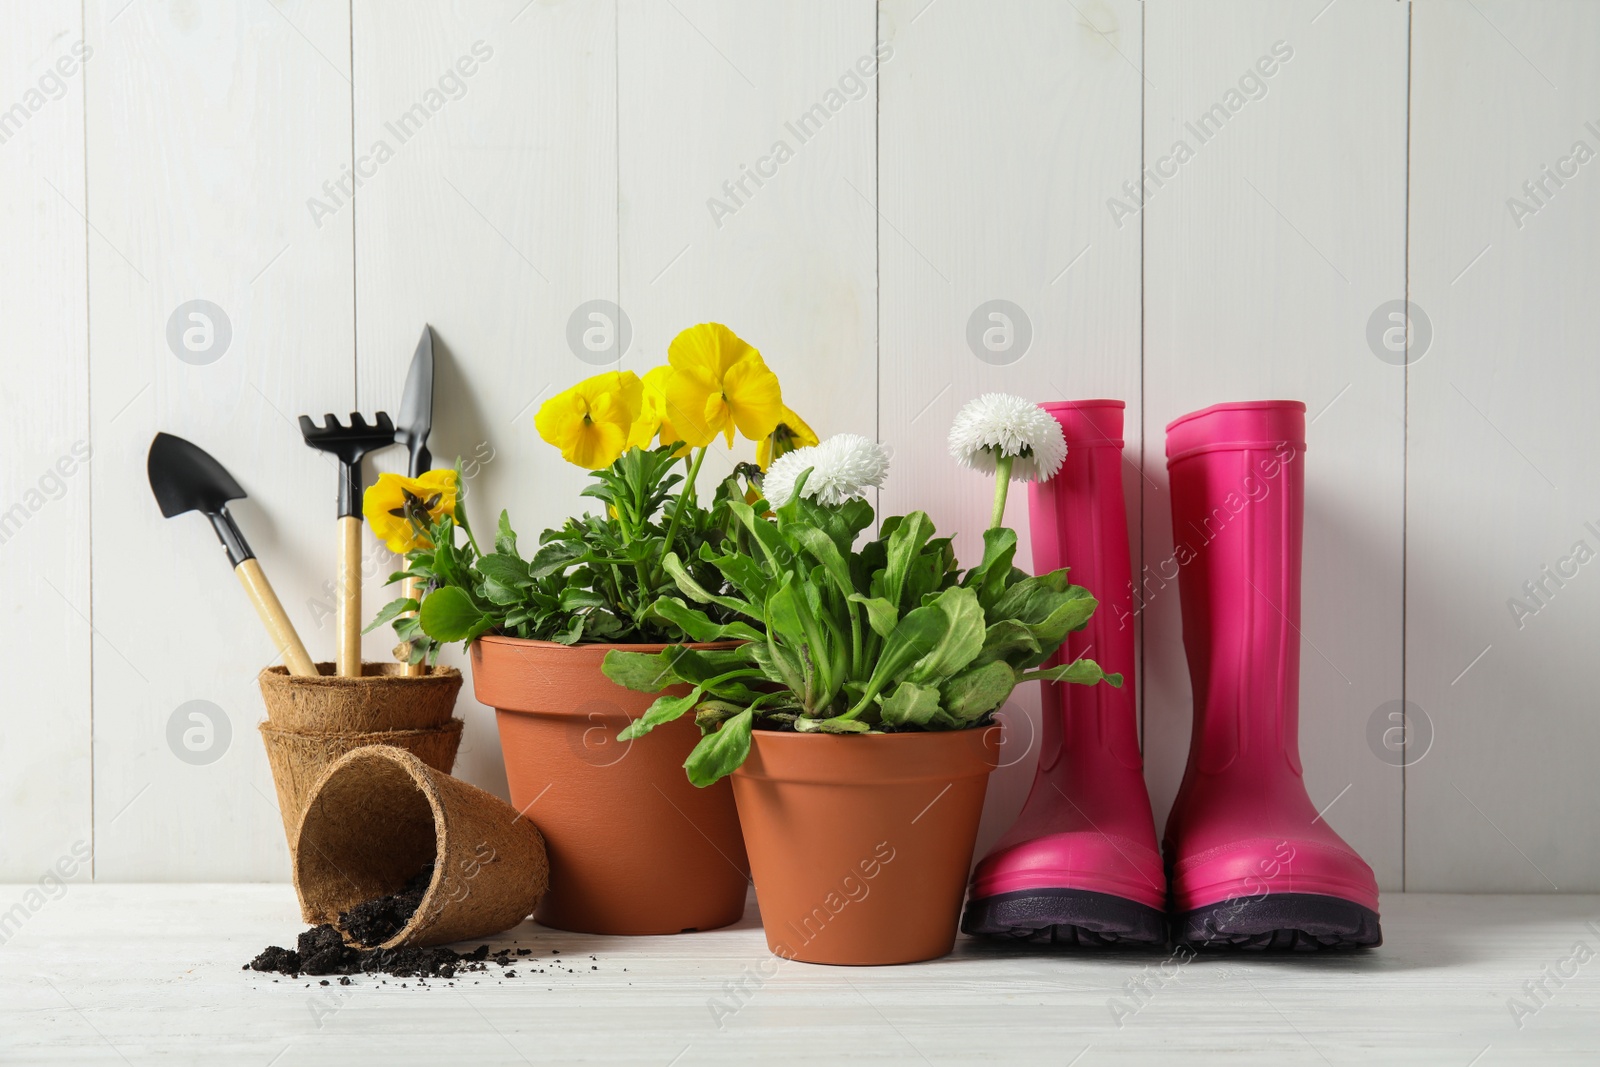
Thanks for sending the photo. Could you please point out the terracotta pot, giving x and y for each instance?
(861, 844)
(634, 848)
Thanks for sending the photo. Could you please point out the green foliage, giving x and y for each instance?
(598, 578)
(888, 637)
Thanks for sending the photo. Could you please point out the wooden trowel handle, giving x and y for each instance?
(275, 619)
(350, 596)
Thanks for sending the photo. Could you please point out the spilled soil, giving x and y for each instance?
(322, 950)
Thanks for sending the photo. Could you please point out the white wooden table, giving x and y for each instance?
(151, 973)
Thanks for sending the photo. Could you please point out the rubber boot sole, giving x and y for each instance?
(1279, 922)
(1065, 917)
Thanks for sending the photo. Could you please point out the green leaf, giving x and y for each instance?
(501, 594)
(909, 705)
(780, 663)
(575, 598)
(842, 523)
(448, 614)
(697, 626)
(912, 638)
(972, 693)
(665, 709)
(573, 633)
(961, 641)
(712, 713)
(881, 615)
(479, 628)
(1079, 671)
(1006, 639)
(643, 672)
(508, 570)
(719, 753)
(697, 592)
(743, 573)
(905, 543)
(835, 725)
(390, 611)
(505, 539)
(553, 557)
(1071, 613)
(989, 577)
(1032, 600)
(821, 548)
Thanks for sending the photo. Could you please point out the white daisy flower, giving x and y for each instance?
(997, 426)
(845, 465)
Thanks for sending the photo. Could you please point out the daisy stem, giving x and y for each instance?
(1002, 473)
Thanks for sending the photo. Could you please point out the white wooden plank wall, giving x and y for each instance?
(963, 153)
(1502, 604)
(45, 765)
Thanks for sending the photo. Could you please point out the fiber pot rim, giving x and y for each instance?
(866, 760)
(329, 679)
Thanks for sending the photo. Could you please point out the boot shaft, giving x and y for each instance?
(1079, 519)
(1238, 505)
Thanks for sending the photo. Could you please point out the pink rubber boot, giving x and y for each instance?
(1080, 865)
(1250, 862)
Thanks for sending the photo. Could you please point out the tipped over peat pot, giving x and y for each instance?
(860, 843)
(634, 847)
(380, 815)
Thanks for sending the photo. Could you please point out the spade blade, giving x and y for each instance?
(415, 421)
(184, 477)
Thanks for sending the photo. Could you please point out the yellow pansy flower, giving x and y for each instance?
(592, 421)
(718, 383)
(653, 418)
(400, 509)
(790, 433)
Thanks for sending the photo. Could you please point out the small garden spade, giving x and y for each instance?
(184, 478)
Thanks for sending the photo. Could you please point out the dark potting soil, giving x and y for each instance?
(376, 921)
(322, 949)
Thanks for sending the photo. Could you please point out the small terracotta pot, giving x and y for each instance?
(861, 844)
(379, 814)
(383, 698)
(634, 848)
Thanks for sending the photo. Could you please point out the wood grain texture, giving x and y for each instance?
(45, 450)
(1267, 249)
(1002, 129)
(1503, 497)
(104, 974)
(494, 219)
(348, 617)
(210, 126)
(285, 638)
